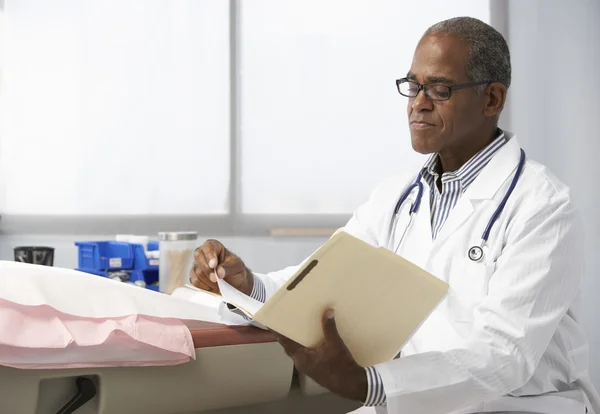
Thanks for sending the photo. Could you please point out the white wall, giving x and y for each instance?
(554, 107)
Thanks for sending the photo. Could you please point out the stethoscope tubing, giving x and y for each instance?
(474, 253)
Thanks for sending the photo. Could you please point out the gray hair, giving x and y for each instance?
(489, 57)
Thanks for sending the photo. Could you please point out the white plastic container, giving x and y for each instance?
(143, 240)
(176, 259)
(124, 238)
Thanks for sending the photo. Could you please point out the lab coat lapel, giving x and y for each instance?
(418, 241)
(460, 212)
(486, 185)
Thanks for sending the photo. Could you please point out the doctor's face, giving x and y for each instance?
(443, 126)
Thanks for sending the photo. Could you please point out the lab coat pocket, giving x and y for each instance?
(469, 282)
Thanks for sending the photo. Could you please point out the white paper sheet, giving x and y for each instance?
(242, 301)
(193, 294)
(82, 294)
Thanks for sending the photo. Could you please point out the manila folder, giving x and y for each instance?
(380, 299)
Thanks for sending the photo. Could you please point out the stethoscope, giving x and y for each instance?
(475, 253)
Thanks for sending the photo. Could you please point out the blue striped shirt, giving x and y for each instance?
(258, 291)
(454, 184)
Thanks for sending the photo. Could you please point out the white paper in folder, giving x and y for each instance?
(380, 299)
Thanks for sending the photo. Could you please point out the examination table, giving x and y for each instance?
(235, 366)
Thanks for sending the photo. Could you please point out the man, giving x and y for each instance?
(507, 339)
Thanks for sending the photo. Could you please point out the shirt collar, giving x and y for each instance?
(470, 170)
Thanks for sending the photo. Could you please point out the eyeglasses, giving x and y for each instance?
(433, 91)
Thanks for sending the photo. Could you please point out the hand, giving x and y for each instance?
(212, 260)
(330, 364)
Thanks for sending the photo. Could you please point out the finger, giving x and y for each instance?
(197, 281)
(231, 266)
(201, 283)
(330, 331)
(201, 267)
(208, 253)
(214, 252)
(304, 360)
(290, 347)
(303, 357)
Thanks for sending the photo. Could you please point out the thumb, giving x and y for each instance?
(330, 328)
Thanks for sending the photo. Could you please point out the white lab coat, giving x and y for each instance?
(510, 327)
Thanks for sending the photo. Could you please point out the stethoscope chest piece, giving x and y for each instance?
(475, 253)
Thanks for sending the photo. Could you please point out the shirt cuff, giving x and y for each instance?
(259, 292)
(375, 392)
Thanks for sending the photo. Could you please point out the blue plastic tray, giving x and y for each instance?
(149, 276)
(105, 255)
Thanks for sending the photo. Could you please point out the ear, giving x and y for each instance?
(494, 99)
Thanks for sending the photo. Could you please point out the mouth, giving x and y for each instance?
(420, 125)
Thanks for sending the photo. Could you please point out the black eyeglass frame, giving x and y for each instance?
(425, 87)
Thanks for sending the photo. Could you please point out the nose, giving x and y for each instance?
(421, 102)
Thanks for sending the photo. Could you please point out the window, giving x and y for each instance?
(112, 108)
(321, 119)
(115, 107)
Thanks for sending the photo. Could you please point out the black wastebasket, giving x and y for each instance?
(35, 255)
